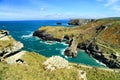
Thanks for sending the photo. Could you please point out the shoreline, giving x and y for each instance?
(62, 53)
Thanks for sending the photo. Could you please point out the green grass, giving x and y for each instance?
(108, 40)
(34, 71)
(6, 43)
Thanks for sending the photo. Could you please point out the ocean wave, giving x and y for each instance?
(53, 42)
(27, 36)
(64, 43)
(47, 42)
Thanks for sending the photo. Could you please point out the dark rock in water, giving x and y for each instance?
(72, 50)
(68, 52)
(59, 23)
(45, 36)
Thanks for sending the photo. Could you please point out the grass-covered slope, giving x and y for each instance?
(104, 33)
(33, 70)
(109, 37)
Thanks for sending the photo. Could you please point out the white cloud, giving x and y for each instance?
(111, 2)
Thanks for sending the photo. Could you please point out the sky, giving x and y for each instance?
(58, 9)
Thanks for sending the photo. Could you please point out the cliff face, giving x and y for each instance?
(100, 39)
(10, 49)
(80, 21)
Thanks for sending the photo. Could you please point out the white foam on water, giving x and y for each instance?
(27, 36)
(64, 43)
(66, 57)
(47, 42)
(100, 62)
(62, 51)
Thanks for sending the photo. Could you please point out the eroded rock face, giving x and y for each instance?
(45, 36)
(72, 50)
(93, 49)
(10, 49)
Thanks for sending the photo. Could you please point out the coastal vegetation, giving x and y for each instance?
(33, 70)
(99, 38)
(30, 67)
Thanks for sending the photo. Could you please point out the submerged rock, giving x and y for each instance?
(59, 23)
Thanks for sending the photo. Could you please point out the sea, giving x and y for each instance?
(23, 31)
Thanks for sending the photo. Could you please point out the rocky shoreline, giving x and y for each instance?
(90, 46)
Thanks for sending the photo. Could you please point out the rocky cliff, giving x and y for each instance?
(100, 39)
(80, 21)
(10, 49)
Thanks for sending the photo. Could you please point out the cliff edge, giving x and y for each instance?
(100, 39)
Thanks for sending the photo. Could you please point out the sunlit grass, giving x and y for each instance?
(33, 70)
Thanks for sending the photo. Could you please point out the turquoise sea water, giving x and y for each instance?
(23, 30)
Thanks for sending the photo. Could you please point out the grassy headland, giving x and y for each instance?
(104, 33)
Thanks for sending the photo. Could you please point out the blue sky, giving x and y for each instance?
(57, 9)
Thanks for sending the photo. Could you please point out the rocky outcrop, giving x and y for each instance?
(94, 50)
(10, 49)
(55, 62)
(88, 37)
(3, 33)
(71, 51)
(45, 36)
(80, 21)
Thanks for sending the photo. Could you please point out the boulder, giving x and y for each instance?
(82, 75)
(55, 62)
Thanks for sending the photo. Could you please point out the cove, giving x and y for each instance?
(23, 30)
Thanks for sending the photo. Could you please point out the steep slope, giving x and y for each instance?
(30, 67)
(100, 39)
